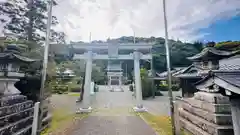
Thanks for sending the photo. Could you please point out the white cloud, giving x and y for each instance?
(115, 18)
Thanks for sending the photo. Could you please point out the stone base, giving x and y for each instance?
(215, 98)
(137, 109)
(191, 128)
(217, 118)
(205, 125)
(84, 110)
(78, 100)
(210, 107)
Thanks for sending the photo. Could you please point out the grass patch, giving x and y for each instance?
(62, 120)
(161, 124)
(74, 94)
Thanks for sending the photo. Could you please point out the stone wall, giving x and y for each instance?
(16, 115)
(205, 114)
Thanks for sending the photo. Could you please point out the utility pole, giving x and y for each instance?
(90, 37)
(30, 22)
(152, 75)
(134, 38)
(168, 69)
(45, 62)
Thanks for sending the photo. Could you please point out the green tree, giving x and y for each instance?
(26, 18)
(228, 45)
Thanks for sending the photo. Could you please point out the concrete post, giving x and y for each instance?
(35, 118)
(177, 120)
(120, 80)
(139, 107)
(87, 86)
(235, 107)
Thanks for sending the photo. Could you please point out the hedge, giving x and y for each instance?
(165, 88)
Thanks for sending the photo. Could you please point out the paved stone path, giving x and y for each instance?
(113, 116)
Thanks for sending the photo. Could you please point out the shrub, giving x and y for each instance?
(59, 89)
(75, 89)
(163, 87)
(146, 88)
(96, 88)
(175, 87)
(131, 88)
(158, 93)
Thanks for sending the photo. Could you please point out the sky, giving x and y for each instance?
(188, 20)
(222, 30)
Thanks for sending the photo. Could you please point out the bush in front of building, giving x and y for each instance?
(60, 89)
(131, 87)
(175, 87)
(146, 88)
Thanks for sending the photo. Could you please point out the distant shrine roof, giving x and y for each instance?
(192, 71)
(210, 53)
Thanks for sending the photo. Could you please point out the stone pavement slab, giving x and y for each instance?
(113, 125)
(112, 115)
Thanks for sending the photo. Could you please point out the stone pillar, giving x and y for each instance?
(139, 107)
(109, 80)
(235, 108)
(87, 86)
(120, 80)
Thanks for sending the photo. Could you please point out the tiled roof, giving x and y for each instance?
(12, 56)
(174, 72)
(189, 72)
(230, 77)
(210, 52)
(232, 63)
(188, 75)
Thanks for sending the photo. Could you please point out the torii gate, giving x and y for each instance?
(110, 51)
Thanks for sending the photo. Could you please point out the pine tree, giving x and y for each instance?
(26, 18)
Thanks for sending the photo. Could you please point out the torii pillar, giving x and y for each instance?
(86, 108)
(139, 106)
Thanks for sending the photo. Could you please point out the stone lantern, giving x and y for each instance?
(10, 62)
(16, 111)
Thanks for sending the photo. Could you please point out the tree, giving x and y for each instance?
(58, 37)
(26, 18)
(228, 45)
(211, 44)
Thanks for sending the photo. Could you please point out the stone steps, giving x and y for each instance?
(6, 110)
(220, 119)
(214, 108)
(205, 125)
(16, 127)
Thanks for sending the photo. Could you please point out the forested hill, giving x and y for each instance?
(179, 51)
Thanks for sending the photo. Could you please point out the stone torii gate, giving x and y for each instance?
(110, 51)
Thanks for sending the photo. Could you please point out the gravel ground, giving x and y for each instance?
(113, 116)
(113, 112)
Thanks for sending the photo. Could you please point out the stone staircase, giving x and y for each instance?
(16, 115)
(206, 114)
